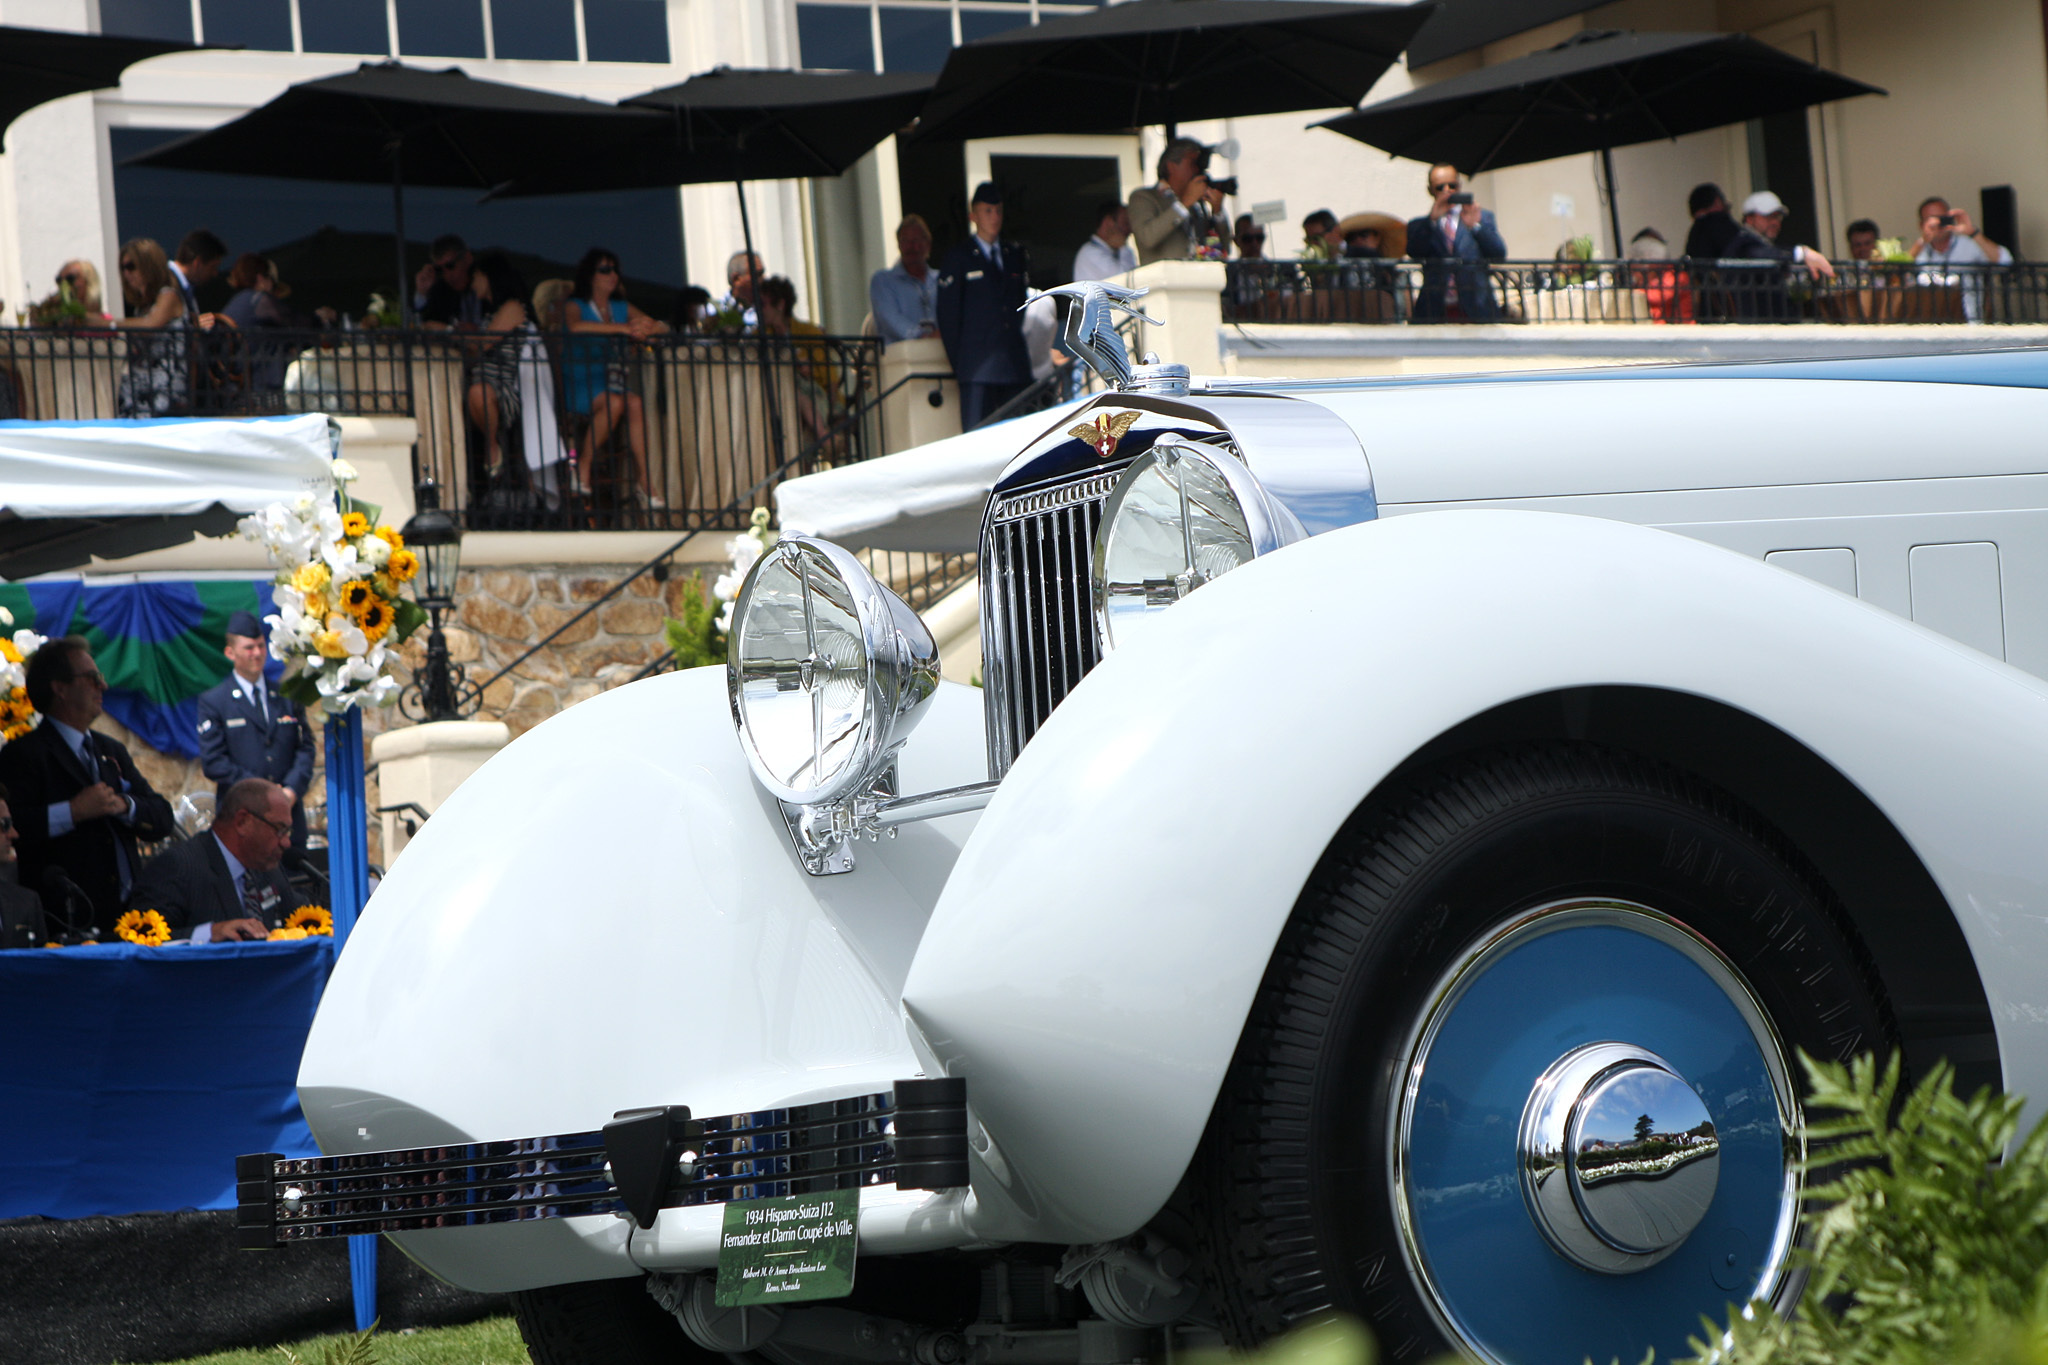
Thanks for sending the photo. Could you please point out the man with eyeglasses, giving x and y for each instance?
(226, 885)
(441, 296)
(79, 803)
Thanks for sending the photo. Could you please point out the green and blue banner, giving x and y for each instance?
(159, 644)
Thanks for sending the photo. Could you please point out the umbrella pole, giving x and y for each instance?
(398, 234)
(774, 413)
(1613, 201)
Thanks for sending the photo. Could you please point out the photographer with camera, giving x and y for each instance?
(1454, 240)
(1948, 237)
(1170, 218)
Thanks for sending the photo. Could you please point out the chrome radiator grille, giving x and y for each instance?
(1038, 631)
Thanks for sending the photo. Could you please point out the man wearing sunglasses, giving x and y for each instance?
(441, 296)
(227, 885)
(79, 803)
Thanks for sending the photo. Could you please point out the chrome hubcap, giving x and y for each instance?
(1618, 1157)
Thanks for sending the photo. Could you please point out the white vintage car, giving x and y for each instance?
(1421, 920)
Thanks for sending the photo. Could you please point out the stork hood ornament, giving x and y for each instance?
(1091, 327)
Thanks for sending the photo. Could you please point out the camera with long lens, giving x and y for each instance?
(1228, 184)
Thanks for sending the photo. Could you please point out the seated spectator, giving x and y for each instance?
(736, 309)
(594, 372)
(1363, 244)
(1108, 254)
(441, 294)
(549, 296)
(1319, 236)
(227, 884)
(158, 378)
(76, 798)
(1713, 227)
(818, 396)
(21, 909)
(198, 263)
(1863, 235)
(1649, 245)
(694, 309)
(76, 300)
(494, 390)
(1763, 217)
(904, 297)
(258, 303)
(1250, 239)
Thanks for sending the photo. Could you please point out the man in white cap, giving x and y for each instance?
(1764, 214)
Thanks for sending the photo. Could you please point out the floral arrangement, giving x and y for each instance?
(340, 615)
(381, 313)
(1892, 249)
(146, 927)
(314, 919)
(698, 637)
(17, 713)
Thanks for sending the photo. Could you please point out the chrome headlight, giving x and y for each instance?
(1183, 514)
(828, 672)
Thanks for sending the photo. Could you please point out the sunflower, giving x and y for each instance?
(404, 564)
(389, 537)
(145, 927)
(312, 578)
(314, 919)
(374, 619)
(357, 594)
(354, 524)
(286, 933)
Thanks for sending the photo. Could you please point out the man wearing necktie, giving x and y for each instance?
(247, 730)
(78, 801)
(981, 289)
(1454, 242)
(226, 884)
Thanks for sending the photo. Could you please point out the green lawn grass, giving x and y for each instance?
(494, 1341)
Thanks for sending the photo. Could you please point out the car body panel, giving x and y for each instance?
(1094, 955)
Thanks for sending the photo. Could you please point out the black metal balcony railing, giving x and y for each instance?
(1600, 292)
(524, 431)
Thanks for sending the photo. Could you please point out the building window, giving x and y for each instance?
(835, 37)
(534, 30)
(980, 23)
(915, 39)
(263, 25)
(169, 20)
(625, 30)
(440, 28)
(342, 26)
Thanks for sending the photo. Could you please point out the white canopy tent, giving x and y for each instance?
(928, 498)
(73, 490)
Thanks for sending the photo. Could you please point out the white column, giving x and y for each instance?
(1186, 299)
(425, 764)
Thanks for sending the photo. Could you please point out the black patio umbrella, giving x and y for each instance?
(739, 125)
(1168, 62)
(38, 65)
(388, 121)
(1597, 91)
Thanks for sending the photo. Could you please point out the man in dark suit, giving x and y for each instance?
(247, 730)
(1454, 242)
(226, 884)
(981, 289)
(21, 910)
(79, 802)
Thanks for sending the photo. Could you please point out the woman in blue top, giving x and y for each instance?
(594, 370)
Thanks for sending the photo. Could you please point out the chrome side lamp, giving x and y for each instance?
(828, 672)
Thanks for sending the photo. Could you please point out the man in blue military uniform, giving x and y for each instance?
(247, 730)
(981, 287)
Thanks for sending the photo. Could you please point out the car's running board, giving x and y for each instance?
(913, 1136)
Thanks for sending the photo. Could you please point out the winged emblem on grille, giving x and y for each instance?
(1105, 431)
(1091, 326)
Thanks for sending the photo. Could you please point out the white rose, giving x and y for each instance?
(376, 551)
(344, 472)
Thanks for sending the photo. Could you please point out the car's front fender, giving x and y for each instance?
(1095, 952)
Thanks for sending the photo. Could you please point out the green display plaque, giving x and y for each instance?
(787, 1250)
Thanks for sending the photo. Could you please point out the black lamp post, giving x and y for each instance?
(432, 534)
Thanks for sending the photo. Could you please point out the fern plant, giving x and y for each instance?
(694, 637)
(357, 1349)
(1929, 1245)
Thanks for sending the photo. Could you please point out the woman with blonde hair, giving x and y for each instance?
(159, 376)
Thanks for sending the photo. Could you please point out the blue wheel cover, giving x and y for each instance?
(1505, 1291)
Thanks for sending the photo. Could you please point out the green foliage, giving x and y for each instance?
(695, 639)
(1929, 1244)
(407, 616)
(350, 1350)
(493, 1341)
(302, 688)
